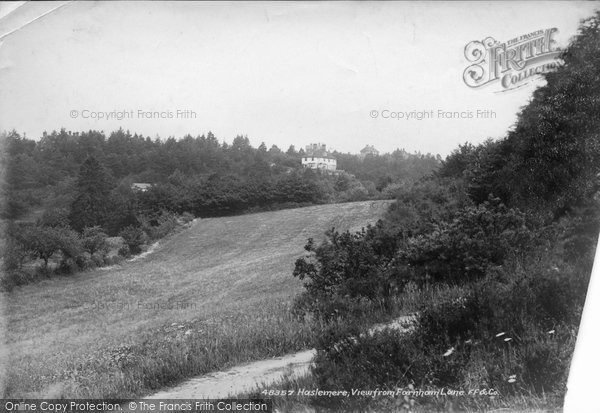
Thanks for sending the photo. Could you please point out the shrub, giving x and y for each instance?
(43, 242)
(12, 278)
(461, 249)
(186, 217)
(347, 360)
(134, 238)
(124, 251)
(522, 307)
(501, 335)
(350, 265)
(457, 162)
(14, 254)
(114, 260)
(423, 204)
(355, 191)
(55, 217)
(83, 262)
(393, 190)
(94, 240)
(160, 226)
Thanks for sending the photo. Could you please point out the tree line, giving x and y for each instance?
(42, 174)
(65, 184)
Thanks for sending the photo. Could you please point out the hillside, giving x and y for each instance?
(210, 296)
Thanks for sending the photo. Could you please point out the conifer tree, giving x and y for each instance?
(91, 205)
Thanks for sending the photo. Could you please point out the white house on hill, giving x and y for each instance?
(315, 162)
(140, 187)
(317, 157)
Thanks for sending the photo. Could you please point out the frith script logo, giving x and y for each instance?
(512, 63)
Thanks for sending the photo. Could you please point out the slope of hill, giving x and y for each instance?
(211, 296)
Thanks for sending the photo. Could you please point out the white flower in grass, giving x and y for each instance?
(449, 351)
(500, 334)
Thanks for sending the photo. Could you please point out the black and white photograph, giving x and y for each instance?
(299, 206)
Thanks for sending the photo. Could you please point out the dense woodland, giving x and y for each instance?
(198, 175)
(65, 185)
(494, 252)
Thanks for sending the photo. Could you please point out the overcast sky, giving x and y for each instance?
(283, 73)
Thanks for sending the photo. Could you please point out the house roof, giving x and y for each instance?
(369, 148)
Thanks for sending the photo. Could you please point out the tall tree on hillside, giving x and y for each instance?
(552, 156)
(91, 205)
(291, 151)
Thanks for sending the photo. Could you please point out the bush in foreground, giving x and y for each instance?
(513, 331)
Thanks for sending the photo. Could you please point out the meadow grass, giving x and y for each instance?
(212, 296)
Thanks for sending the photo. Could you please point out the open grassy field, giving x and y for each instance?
(210, 297)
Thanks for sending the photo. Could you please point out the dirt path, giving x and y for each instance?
(241, 379)
(247, 377)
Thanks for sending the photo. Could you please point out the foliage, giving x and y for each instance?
(511, 331)
(134, 238)
(420, 206)
(15, 253)
(198, 175)
(55, 217)
(124, 251)
(382, 170)
(43, 242)
(91, 205)
(159, 225)
(455, 164)
(550, 160)
(186, 217)
(347, 266)
(94, 240)
(378, 261)
(477, 238)
(514, 224)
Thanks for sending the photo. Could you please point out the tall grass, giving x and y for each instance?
(163, 356)
(388, 360)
